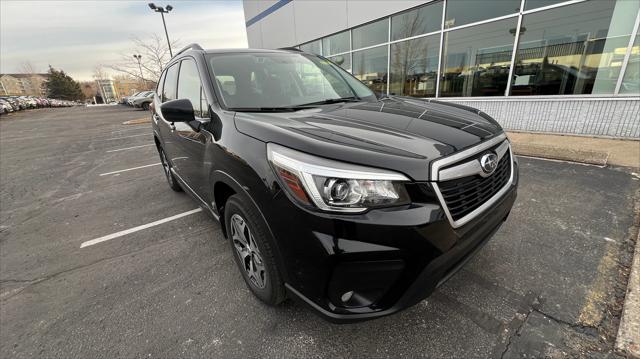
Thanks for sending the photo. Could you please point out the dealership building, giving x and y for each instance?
(551, 66)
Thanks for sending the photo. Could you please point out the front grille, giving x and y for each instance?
(463, 195)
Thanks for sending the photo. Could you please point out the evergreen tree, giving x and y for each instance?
(62, 86)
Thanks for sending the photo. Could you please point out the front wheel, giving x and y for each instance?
(253, 250)
(145, 106)
(166, 166)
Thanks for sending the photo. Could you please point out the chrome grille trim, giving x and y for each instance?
(438, 164)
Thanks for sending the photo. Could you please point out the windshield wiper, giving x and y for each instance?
(267, 109)
(330, 101)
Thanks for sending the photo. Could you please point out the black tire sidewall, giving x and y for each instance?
(273, 292)
(171, 180)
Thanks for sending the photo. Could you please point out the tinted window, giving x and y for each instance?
(370, 34)
(189, 84)
(414, 66)
(532, 4)
(170, 80)
(476, 60)
(336, 44)
(574, 49)
(422, 20)
(370, 67)
(631, 80)
(461, 12)
(313, 47)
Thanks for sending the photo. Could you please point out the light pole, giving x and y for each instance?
(139, 57)
(162, 11)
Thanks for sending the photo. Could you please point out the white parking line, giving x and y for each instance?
(130, 148)
(129, 169)
(118, 138)
(139, 228)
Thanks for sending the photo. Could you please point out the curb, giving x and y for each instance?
(598, 158)
(628, 338)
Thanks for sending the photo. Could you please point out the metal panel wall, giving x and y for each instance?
(611, 117)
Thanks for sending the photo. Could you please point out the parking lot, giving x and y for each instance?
(550, 283)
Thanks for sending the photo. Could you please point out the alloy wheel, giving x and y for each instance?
(248, 251)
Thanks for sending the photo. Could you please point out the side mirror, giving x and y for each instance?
(178, 111)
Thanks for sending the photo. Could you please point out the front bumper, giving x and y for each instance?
(360, 267)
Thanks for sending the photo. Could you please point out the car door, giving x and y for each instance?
(191, 139)
(167, 129)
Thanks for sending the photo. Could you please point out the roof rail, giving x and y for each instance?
(193, 46)
(291, 49)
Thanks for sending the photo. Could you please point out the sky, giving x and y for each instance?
(76, 36)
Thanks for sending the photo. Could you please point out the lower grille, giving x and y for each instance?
(463, 195)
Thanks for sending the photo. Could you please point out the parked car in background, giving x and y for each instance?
(10, 104)
(143, 101)
(138, 95)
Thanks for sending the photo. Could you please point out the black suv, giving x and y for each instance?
(359, 205)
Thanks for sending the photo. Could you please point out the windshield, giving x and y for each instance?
(282, 80)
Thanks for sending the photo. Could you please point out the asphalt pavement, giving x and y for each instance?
(550, 283)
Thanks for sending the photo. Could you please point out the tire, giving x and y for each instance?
(145, 106)
(245, 225)
(166, 166)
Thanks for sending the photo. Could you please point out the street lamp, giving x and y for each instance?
(139, 57)
(162, 11)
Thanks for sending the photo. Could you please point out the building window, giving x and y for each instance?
(371, 34)
(574, 49)
(313, 47)
(631, 79)
(414, 67)
(533, 4)
(343, 61)
(422, 20)
(370, 67)
(335, 44)
(476, 60)
(462, 12)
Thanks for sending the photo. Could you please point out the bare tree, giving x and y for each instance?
(155, 54)
(99, 73)
(27, 68)
(409, 57)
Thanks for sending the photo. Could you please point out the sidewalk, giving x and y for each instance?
(598, 151)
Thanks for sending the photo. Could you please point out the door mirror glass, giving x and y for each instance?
(178, 111)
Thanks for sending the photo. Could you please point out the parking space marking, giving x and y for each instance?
(129, 169)
(130, 148)
(138, 228)
(119, 138)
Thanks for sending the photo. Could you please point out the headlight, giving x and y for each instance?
(336, 186)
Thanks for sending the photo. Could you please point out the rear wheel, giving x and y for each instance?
(166, 166)
(145, 106)
(252, 247)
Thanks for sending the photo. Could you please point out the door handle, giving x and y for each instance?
(155, 118)
(172, 126)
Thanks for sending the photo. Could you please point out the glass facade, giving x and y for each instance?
(336, 44)
(478, 48)
(370, 67)
(414, 67)
(371, 34)
(422, 20)
(476, 60)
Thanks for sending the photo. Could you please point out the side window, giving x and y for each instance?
(169, 88)
(189, 86)
(160, 84)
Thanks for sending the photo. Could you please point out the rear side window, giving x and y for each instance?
(189, 86)
(169, 88)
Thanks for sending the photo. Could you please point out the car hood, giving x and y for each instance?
(396, 133)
